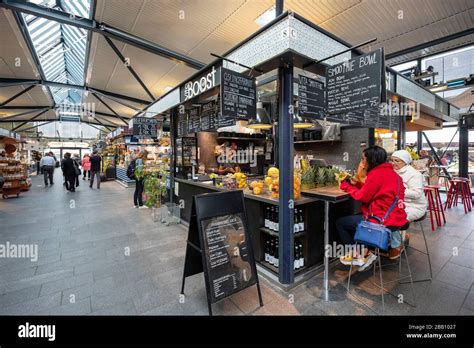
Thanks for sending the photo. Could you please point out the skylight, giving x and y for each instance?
(61, 49)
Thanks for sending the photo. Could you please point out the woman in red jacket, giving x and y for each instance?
(376, 194)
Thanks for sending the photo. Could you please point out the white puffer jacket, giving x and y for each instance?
(415, 200)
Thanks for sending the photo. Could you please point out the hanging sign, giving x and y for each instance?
(238, 95)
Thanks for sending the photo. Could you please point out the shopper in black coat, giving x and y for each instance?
(69, 171)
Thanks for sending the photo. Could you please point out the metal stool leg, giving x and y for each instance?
(440, 205)
(427, 253)
(350, 270)
(382, 289)
(411, 277)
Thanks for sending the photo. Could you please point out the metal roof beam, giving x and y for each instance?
(17, 95)
(102, 28)
(129, 67)
(430, 43)
(108, 107)
(22, 114)
(7, 82)
(35, 126)
(30, 120)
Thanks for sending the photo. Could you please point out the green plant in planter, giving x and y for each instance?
(155, 188)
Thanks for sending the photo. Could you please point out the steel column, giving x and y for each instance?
(419, 141)
(463, 149)
(285, 155)
(278, 7)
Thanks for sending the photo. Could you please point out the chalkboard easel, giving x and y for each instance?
(219, 245)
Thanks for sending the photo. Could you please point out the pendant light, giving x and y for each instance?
(261, 120)
(300, 122)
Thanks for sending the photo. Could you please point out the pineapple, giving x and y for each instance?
(307, 177)
(320, 175)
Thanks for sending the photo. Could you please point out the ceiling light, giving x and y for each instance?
(261, 120)
(266, 17)
(168, 88)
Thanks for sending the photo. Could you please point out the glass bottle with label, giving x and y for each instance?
(267, 217)
(301, 221)
(271, 253)
(277, 218)
(301, 256)
(296, 256)
(296, 226)
(272, 219)
(276, 255)
(267, 251)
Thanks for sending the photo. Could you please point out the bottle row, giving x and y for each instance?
(272, 257)
(272, 222)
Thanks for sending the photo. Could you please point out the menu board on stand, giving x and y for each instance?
(219, 245)
(238, 97)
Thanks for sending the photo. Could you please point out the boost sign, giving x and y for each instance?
(200, 85)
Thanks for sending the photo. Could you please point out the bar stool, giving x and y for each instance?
(381, 286)
(427, 253)
(438, 204)
(459, 189)
(433, 208)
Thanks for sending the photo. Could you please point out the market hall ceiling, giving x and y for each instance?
(196, 28)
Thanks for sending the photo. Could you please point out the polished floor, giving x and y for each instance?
(98, 255)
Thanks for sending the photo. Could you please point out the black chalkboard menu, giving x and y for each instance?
(182, 126)
(238, 95)
(355, 84)
(209, 114)
(194, 121)
(219, 245)
(310, 97)
(144, 127)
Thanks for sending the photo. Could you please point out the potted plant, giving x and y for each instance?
(155, 188)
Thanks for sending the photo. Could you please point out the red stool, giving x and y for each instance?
(432, 206)
(438, 204)
(459, 191)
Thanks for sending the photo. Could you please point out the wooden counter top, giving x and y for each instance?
(265, 198)
(327, 193)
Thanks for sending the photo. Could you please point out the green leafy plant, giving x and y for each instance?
(139, 172)
(155, 188)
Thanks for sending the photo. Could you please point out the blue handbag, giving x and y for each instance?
(376, 234)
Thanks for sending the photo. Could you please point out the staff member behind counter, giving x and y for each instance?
(376, 194)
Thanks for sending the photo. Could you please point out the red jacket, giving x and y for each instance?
(378, 193)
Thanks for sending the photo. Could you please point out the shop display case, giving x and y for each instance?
(15, 175)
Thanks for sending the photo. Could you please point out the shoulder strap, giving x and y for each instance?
(395, 200)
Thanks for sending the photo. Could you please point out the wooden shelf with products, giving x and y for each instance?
(15, 175)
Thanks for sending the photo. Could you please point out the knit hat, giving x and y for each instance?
(403, 155)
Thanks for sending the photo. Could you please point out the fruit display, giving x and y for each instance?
(257, 187)
(240, 179)
(229, 182)
(307, 177)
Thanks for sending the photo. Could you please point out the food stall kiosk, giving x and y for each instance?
(297, 110)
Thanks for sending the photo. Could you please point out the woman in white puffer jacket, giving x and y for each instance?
(415, 200)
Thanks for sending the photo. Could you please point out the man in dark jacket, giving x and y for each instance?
(69, 172)
(95, 168)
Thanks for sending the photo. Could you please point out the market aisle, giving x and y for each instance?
(84, 266)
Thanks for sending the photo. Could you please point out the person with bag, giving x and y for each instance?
(95, 168)
(382, 196)
(69, 171)
(139, 162)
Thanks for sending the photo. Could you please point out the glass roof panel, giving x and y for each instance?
(61, 49)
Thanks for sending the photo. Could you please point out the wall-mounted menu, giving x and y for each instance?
(209, 113)
(144, 127)
(238, 95)
(194, 121)
(310, 97)
(182, 126)
(355, 84)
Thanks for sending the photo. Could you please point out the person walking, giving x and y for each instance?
(69, 171)
(86, 166)
(95, 168)
(77, 164)
(47, 164)
(139, 186)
